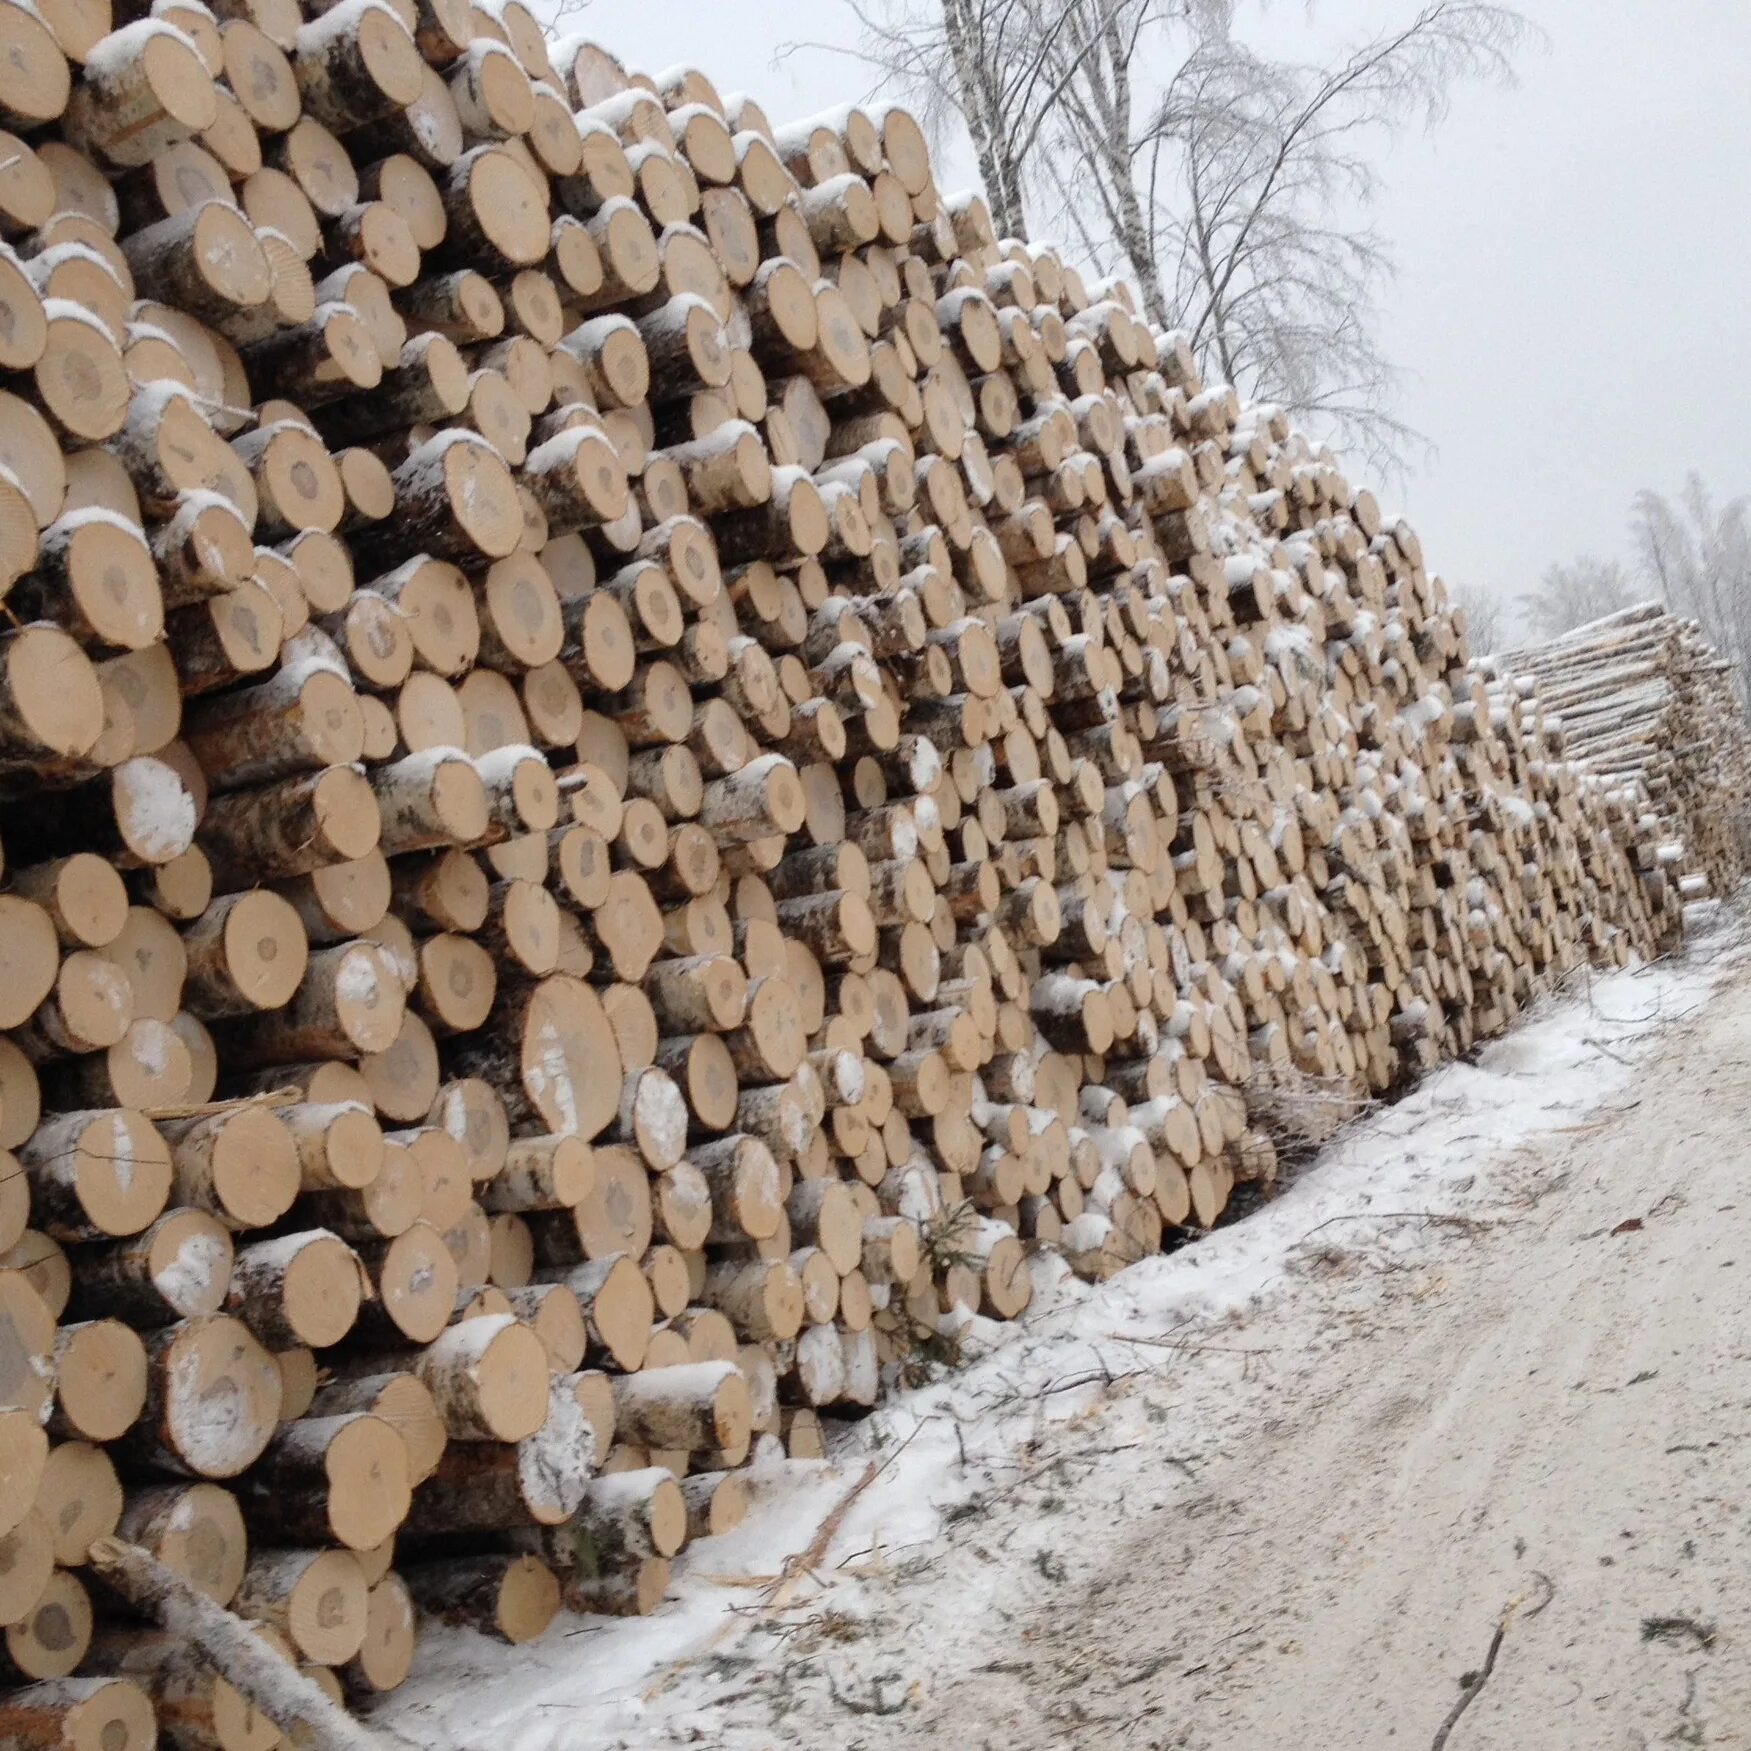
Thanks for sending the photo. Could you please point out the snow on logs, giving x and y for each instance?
(643, 769)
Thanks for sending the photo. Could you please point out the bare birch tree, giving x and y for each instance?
(1572, 593)
(1233, 188)
(1697, 555)
(1276, 273)
(1483, 618)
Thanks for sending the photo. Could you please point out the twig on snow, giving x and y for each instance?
(1473, 1682)
(783, 1586)
(1438, 1217)
(1172, 1343)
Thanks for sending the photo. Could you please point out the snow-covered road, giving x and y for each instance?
(1486, 1364)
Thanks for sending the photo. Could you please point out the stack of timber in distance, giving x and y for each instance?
(1644, 699)
(642, 769)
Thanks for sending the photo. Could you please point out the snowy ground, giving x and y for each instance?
(1486, 1362)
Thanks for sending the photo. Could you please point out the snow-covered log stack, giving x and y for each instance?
(1643, 697)
(643, 768)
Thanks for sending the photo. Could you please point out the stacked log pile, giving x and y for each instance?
(639, 762)
(1644, 698)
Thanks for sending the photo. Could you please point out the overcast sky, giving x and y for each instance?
(1574, 299)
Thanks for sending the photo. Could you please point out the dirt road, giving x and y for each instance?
(1304, 1531)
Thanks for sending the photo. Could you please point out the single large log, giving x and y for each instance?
(78, 1500)
(513, 1598)
(195, 1530)
(297, 1289)
(240, 1163)
(246, 952)
(551, 1053)
(488, 1378)
(51, 708)
(177, 1268)
(316, 1599)
(631, 1514)
(539, 1480)
(97, 1174)
(289, 828)
(191, 1365)
(702, 1405)
(344, 1478)
(83, 1714)
(351, 1001)
(100, 1380)
(146, 90)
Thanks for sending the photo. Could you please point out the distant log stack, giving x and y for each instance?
(1641, 698)
(643, 769)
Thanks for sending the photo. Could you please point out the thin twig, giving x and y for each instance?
(1389, 1216)
(268, 1097)
(784, 1585)
(1473, 1684)
(1170, 1343)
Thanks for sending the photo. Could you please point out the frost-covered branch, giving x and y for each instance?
(1231, 186)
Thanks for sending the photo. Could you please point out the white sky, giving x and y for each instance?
(1574, 298)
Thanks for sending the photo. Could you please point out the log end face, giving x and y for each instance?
(571, 1065)
(24, 1450)
(221, 1396)
(622, 1313)
(255, 1168)
(327, 1609)
(266, 950)
(369, 1493)
(782, 1302)
(511, 210)
(116, 1716)
(732, 1411)
(55, 697)
(102, 1379)
(535, 791)
(321, 1295)
(389, 53)
(181, 81)
(483, 497)
(418, 1282)
(513, 1376)
(38, 80)
(189, 1262)
(355, 1148)
(347, 811)
(528, 1600)
(668, 1518)
(123, 1172)
(460, 802)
